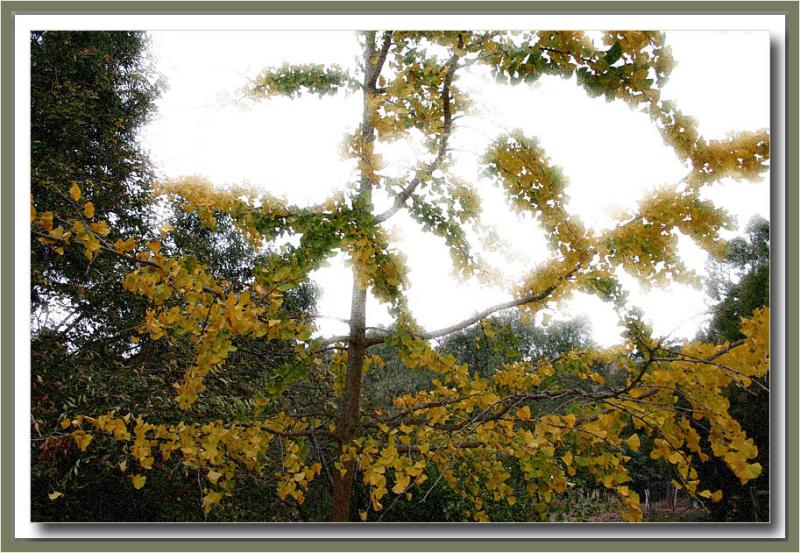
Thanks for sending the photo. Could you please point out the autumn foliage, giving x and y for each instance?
(581, 414)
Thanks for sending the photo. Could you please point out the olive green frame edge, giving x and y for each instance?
(7, 190)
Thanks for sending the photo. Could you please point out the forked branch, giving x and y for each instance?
(447, 127)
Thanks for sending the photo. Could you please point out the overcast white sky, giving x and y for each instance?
(291, 148)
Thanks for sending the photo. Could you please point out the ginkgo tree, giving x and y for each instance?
(580, 414)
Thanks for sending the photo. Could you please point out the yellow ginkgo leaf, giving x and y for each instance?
(211, 499)
(754, 470)
(138, 481)
(401, 483)
(75, 191)
(46, 220)
(633, 442)
(122, 246)
(154, 246)
(88, 209)
(100, 228)
(82, 439)
(55, 495)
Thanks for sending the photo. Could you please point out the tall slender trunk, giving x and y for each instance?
(348, 428)
(356, 351)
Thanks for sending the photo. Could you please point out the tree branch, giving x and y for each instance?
(376, 69)
(467, 444)
(73, 324)
(427, 405)
(447, 126)
(474, 319)
(130, 258)
(686, 358)
(723, 351)
(311, 432)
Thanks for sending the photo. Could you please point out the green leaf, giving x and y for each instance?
(613, 53)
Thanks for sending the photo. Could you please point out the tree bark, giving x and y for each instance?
(357, 347)
(348, 423)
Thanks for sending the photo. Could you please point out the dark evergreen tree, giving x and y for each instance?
(740, 284)
(91, 92)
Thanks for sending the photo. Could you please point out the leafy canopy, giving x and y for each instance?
(578, 414)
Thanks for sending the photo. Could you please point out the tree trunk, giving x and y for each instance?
(348, 423)
(357, 347)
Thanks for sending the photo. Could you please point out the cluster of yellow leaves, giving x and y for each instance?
(737, 366)
(187, 301)
(378, 267)
(742, 156)
(532, 184)
(471, 428)
(410, 98)
(295, 476)
(82, 439)
(551, 281)
(338, 365)
(644, 63)
(216, 449)
(418, 353)
(467, 198)
(564, 46)
(199, 195)
(517, 378)
(646, 246)
(379, 461)
(83, 230)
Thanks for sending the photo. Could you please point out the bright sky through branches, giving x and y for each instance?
(611, 155)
